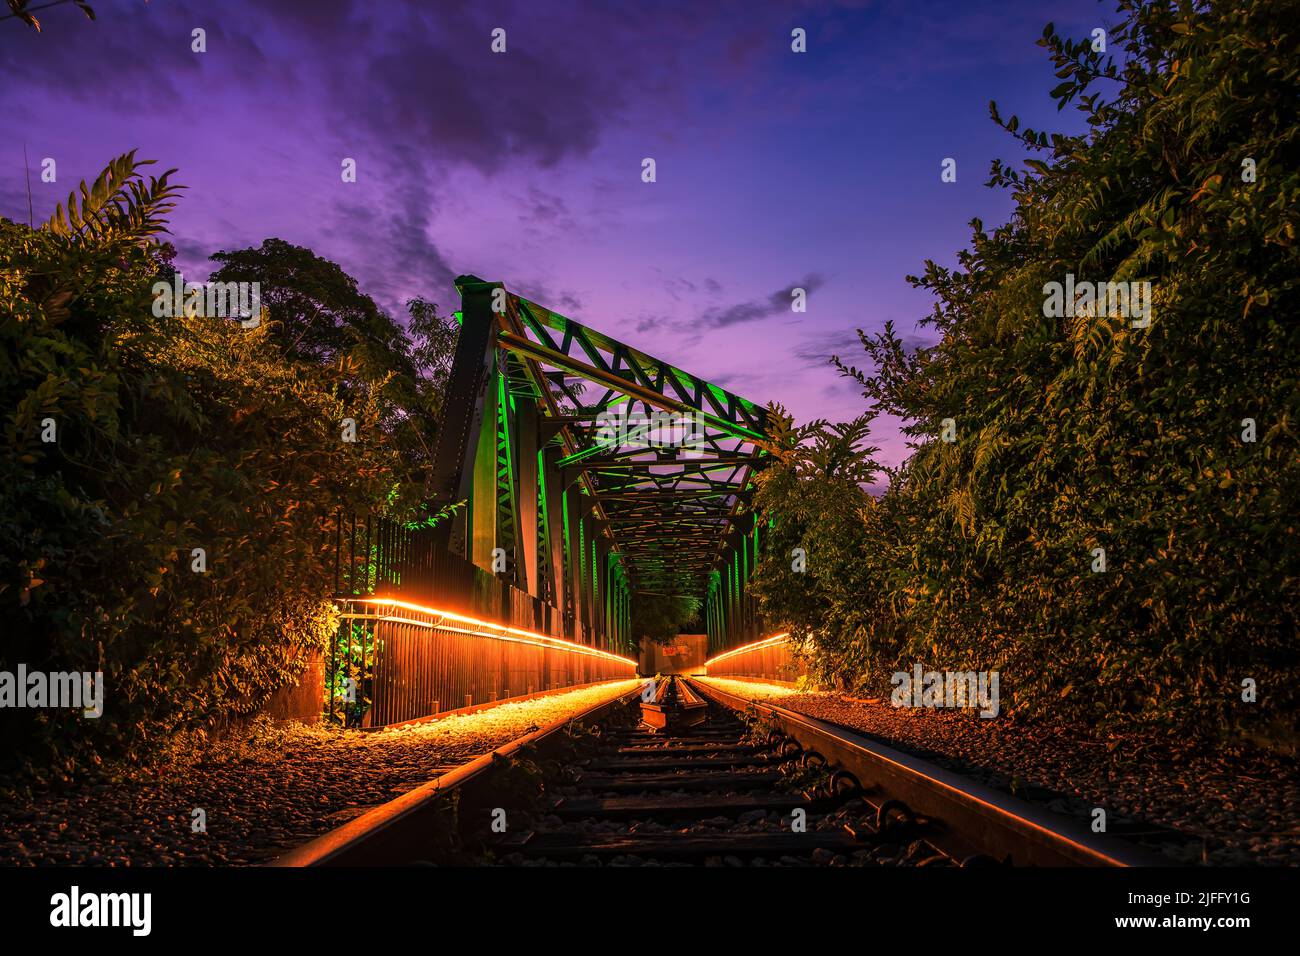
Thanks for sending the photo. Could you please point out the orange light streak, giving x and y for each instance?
(756, 646)
(488, 629)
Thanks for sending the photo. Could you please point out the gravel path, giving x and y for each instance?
(262, 793)
(1243, 804)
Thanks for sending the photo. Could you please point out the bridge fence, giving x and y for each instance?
(770, 659)
(424, 631)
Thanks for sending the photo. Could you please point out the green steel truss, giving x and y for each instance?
(586, 516)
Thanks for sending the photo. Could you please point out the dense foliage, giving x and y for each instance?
(1172, 447)
(132, 439)
(319, 317)
(661, 617)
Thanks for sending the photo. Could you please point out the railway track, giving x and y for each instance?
(707, 789)
(691, 775)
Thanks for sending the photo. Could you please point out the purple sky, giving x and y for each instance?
(775, 169)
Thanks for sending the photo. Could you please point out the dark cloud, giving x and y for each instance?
(920, 339)
(400, 226)
(545, 214)
(778, 303)
(410, 90)
(565, 301)
(132, 53)
(818, 352)
(402, 72)
(649, 323)
(329, 21)
(429, 75)
(840, 387)
(192, 255)
(679, 287)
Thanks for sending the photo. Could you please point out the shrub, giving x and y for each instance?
(1080, 433)
(173, 434)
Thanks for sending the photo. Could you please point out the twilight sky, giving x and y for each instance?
(774, 169)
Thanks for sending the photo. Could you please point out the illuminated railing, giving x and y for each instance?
(395, 660)
(771, 658)
(425, 631)
(375, 555)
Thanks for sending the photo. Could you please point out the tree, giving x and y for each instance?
(1099, 507)
(167, 482)
(319, 316)
(660, 617)
(812, 575)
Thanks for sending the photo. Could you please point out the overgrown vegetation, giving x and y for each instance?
(661, 617)
(134, 439)
(1171, 447)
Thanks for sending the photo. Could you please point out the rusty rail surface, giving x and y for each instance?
(970, 820)
(400, 831)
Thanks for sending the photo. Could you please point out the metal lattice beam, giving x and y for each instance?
(591, 515)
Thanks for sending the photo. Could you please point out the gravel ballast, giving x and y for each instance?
(1240, 807)
(261, 793)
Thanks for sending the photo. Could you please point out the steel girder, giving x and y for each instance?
(566, 445)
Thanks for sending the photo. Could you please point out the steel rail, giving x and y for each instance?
(399, 831)
(969, 818)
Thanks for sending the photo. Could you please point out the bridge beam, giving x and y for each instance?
(526, 470)
(467, 415)
(586, 521)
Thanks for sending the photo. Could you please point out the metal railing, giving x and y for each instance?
(424, 631)
(375, 555)
(772, 659)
